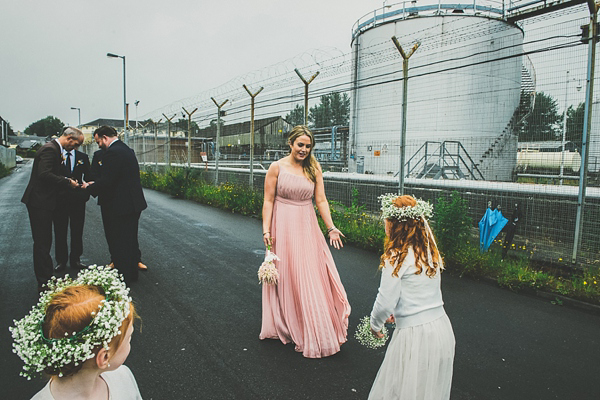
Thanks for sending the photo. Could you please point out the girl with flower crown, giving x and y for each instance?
(418, 362)
(79, 334)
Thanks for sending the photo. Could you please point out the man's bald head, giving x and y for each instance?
(71, 138)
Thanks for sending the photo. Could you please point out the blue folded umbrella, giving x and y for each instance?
(490, 226)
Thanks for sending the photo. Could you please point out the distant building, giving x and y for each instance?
(89, 128)
(27, 141)
(269, 133)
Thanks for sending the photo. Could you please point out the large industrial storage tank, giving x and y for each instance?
(464, 89)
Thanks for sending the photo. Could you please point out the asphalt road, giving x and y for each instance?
(200, 305)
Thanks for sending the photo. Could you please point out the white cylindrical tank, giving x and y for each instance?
(548, 161)
(464, 85)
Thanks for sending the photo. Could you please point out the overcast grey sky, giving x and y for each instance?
(53, 53)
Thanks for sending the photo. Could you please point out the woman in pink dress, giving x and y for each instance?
(308, 306)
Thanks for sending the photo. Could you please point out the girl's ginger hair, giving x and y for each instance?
(71, 311)
(410, 233)
(310, 165)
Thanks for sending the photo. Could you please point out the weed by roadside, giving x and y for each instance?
(4, 170)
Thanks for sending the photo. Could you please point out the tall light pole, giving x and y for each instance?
(564, 128)
(78, 115)
(564, 133)
(125, 134)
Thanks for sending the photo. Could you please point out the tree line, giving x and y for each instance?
(546, 123)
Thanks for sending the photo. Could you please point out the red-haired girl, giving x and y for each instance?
(418, 361)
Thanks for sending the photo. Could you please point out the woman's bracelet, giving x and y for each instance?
(330, 229)
(264, 233)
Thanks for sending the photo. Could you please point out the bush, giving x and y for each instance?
(360, 228)
(452, 224)
(4, 170)
(178, 181)
(186, 183)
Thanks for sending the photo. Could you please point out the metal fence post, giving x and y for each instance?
(587, 122)
(252, 96)
(217, 151)
(405, 58)
(306, 83)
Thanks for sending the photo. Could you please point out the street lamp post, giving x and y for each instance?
(564, 127)
(564, 132)
(78, 115)
(125, 134)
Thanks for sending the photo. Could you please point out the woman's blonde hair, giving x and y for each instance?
(410, 233)
(310, 165)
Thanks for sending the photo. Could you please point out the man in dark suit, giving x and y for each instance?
(121, 198)
(96, 169)
(71, 210)
(41, 198)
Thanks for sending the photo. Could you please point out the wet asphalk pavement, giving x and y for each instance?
(200, 304)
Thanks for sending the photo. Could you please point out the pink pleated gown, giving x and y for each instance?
(308, 306)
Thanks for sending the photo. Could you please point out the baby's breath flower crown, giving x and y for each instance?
(39, 352)
(388, 210)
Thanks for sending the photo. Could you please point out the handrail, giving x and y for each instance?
(473, 165)
(405, 9)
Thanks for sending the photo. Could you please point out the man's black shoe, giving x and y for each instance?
(60, 267)
(78, 265)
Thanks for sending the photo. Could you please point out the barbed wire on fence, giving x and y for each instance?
(476, 98)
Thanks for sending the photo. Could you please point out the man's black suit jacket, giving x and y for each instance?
(118, 187)
(46, 178)
(96, 166)
(81, 171)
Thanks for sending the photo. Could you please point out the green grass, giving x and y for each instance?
(451, 226)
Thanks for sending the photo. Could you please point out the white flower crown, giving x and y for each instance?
(39, 352)
(388, 210)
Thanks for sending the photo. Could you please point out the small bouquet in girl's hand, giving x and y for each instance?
(267, 272)
(365, 337)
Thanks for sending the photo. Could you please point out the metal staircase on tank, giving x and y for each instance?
(525, 107)
(442, 160)
(450, 160)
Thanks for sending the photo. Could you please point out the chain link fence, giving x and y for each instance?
(495, 107)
